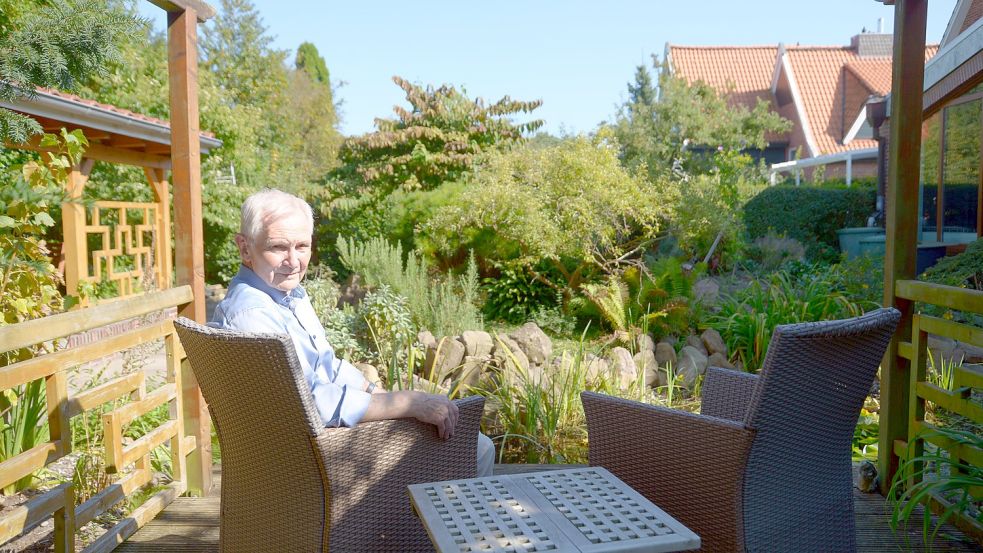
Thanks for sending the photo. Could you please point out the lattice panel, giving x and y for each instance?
(123, 246)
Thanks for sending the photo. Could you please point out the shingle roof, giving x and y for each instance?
(109, 108)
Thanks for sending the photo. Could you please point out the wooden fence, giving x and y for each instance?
(132, 460)
(965, 379)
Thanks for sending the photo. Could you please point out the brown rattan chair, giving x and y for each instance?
(766, 466)
(289, 483)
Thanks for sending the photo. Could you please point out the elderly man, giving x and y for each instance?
(266, 295)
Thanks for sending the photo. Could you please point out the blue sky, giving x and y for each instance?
(577, 56)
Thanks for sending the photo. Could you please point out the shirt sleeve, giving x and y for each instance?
(339, 403)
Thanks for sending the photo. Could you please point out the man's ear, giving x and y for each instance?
(243, 244)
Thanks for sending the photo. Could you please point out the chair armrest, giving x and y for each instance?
(727, 393)
(692, 466)
(367, 468)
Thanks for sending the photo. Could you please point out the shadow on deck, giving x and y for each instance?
(191, 524)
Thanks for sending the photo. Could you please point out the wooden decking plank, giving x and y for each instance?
(191, 524)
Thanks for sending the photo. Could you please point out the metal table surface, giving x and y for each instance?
(574, 510)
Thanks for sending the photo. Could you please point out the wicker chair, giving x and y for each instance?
(766, 466)
(289, 483)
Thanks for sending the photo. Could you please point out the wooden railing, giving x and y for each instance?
(965, 379)
(131, 460)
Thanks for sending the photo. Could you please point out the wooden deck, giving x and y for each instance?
(191, 524)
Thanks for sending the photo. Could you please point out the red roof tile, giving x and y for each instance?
(744, 72)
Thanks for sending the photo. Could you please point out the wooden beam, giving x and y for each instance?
(908, 75)
(100, 152)
(120, 141)
(202, 10)
(182, 65)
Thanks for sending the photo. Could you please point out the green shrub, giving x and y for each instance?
(809, 214)
(747, 320)
(964, 270)
(705, 207)
(514, 294)
(384, 321)
(771, 252)
(443, 306)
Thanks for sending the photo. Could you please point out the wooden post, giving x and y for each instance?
(162, 196)
(74, 246)
(902, 219)
(182, 64)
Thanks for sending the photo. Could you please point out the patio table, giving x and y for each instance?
(572, 510)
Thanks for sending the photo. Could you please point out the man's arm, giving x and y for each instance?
(434, 409)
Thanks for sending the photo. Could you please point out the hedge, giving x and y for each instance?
(809, 214)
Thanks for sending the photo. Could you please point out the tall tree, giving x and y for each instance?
(57, 45)
(689, 128)
(309, 61)
(437, 140)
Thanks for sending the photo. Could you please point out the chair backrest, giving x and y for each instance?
(813, 384)
(273, 494)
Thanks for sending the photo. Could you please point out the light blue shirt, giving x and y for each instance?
(252, 305)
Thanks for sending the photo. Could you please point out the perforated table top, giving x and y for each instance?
(574, 510)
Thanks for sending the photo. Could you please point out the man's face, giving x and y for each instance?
(279, 255)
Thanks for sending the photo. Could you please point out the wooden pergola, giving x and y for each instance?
(904, 386)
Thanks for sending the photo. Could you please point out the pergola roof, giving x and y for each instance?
(116, 135)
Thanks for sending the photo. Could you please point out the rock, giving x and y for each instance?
(427, 339)
(507, 354)
(714, 342)
(644, 342)
(477, 343)
(865, 477)
(623, 367)
(445, 360)
(692, 363)
(369, 372)
(597, 368)
(646, 363)
(665, 355)
(696, 342)
(429, 386)
(352, 291)
(718, 360)
(473, 369)
(534, 342)
(671, 340)
(706, 291)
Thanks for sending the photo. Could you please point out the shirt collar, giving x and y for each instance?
(287, 299)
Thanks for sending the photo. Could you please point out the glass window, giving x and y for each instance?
(929, 179)
(961, 167)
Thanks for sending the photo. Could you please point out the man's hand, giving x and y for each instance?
(433, 409)
(438, 411)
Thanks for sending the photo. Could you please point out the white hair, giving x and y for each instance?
(268, 204)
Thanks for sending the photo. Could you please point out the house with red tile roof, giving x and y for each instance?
(822, 90)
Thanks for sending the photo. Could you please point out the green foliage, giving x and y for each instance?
(437, 140)
(938, 473)
(771, 252)
(571, 205)
(55, 44)
(309, 61)
(866, 436)
(809, 214)
(23, 424)
(748, 319)
(704, 207)
(445, 307)
(690, 129)
(514, 294)
(657, 301)
(963, 271)
(385, 321)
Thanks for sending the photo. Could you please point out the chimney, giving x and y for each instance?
(880, 25)
(872, 45)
